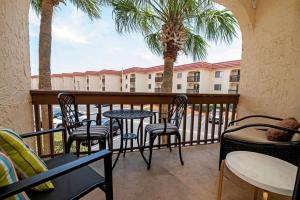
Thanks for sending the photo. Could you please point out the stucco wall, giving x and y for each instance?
(15, 106)
(270, 65)
(112, 83)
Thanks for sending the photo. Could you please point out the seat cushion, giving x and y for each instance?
(26, 162)
(71, 185)
(8, 176)
(95, 132)
(159, 128)
(248, 135)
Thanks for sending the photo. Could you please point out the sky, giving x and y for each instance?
(79, 44)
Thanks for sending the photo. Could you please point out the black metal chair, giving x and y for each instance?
(72, 177)
(251, 137)
(170, 126)
(82, 132)
(296, 195)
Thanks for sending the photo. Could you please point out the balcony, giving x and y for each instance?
(158, 79)
(157, 90)
(193, 79)
(103, 88)
(132, 89)
(132, 80)
(234, 78)
(192, 91)
(233, 91)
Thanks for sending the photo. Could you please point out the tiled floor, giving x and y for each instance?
(168, 180)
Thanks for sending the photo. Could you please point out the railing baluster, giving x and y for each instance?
(184, 126)
(233, 112)
(51, 136)
(88, 111)
(131, 129)
(220, 122)
(226, 116)
(199, 124)
(159, 121)
(110, 128)
(151, 109)
(37, 115)
(192, 124)
(206, 123)
(213, 124)
(142, 129)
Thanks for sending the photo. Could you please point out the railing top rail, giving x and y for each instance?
(90, 97)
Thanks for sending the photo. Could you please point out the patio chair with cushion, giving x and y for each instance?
(169, 127)
(72, 178)
(82, 132)
(252, 137)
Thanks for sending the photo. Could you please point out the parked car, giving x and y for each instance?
(217, 117)
(57, 121)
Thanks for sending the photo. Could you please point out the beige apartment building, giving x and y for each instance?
(199, 77)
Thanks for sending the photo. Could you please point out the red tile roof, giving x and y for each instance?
(56, 75)
(111, 72)
(227, 64)
(67, 74)
(78, 74)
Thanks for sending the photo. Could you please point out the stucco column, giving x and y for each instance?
(15, 106)
(270, 67)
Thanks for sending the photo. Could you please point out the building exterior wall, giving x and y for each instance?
(94, 82)
(68, 83)
(270, 59)
(57, 83)
(15, 101)
(112, 83)
(80, 83)
(35, 83)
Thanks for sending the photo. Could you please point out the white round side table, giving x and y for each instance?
(262, 171)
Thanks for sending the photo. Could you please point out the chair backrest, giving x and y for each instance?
(177, 109)
(69, 111)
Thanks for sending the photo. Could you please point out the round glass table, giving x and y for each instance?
(121, 115)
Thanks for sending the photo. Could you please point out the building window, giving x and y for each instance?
(218, 74)
(179, 75)
(178, 86)
(149, 86)
(126, 86)
(149, 76)
(126, 77)
(218, 87)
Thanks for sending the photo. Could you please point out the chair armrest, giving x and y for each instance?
(32, 134)
(25, 184)
(254, 116)
(259, 126)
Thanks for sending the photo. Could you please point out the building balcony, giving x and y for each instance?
(158, 79)
(233, 91)
(157, 90)
(192, 91)
(132, 80)
(234, 78)
(132, 89)
(193, 79)
(103, 88)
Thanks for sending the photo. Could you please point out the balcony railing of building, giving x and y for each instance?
(234, 78)
(192, 91)
(103, 88)
(193, 79)
(157, 90)
(132, 89)
(158, 79)
(233, 91)
(132, 80)
(195, 129)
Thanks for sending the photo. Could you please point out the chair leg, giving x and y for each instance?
(145, 138)
(152, 138)
(69, 144)
(220, 180)
(179, 147)
(89, 146)
(77, 148)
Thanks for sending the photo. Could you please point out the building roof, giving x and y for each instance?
(111, 72)
(78, 73)
(67, 74)
(227, 64)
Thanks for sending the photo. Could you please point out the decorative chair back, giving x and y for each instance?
(177, 109)
(69, 111)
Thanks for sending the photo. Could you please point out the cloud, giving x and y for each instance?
(67, 34)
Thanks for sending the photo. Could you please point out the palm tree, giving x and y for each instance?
(45, 8)
(174, 26)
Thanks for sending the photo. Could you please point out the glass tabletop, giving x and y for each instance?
(128, 114)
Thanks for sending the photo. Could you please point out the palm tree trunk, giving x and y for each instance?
(168, 75)
(45, 61)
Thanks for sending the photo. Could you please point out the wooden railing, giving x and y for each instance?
(198, 127)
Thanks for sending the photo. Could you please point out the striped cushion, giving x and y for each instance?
(26, 162)
(95, 131)
(8, 176)
(159, 128)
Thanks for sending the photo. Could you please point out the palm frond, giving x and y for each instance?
(91, 7)
(36, 5)
(154, 44)
(195, 46)
(217, 25)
